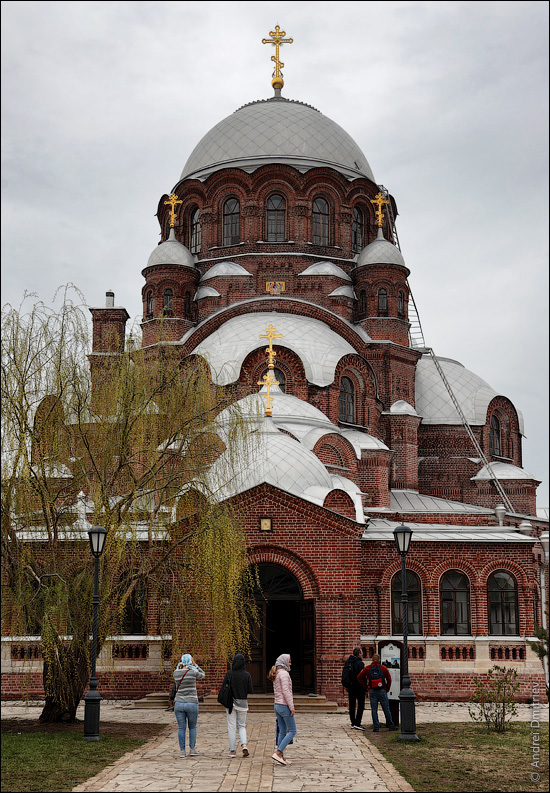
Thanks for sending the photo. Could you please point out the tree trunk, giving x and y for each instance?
(65, 676)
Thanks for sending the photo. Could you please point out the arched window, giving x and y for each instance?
(133, 618)
(149, 305)
(168, 301)
(321, 218)
(382, 302)
(401, 303)
(454, 595)
(363, 303)
(276, 218)
(414, 609)
(281, 379)
(502, 604)
(195, 231)
(187, 304)
(494, 437)
(346, 410)
(231, 222)
(357, 231)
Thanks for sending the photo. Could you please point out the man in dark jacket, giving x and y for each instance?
(376, 679)
(356, 692)
(241, 687)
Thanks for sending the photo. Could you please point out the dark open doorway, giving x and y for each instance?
(286, 625)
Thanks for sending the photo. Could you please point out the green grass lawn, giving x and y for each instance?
(467, 757)
(54, 757)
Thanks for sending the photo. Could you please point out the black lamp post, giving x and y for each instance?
(97, 535)
(402, 536)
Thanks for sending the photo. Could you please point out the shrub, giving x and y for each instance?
(493, 702)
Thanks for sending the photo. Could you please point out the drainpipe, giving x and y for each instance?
(544, 596)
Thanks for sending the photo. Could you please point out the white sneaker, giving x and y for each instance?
(182, 753)
(232, 754)
(193, 753)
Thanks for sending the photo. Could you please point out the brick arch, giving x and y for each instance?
(286, 359)
(226, 182)
(325, 179)
(340, 501)
(395, 567)
(263, 178)
(362, 366)
(508, 566)
(273, 554)
(461, 565)
(340, 446)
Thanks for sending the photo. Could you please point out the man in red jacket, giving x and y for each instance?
(376, 679)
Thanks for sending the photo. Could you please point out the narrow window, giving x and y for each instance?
(195, 231)
(133, 620)
(187, 304)
(401, 304)
(168, 301)
(414, 610)
(276, 218)
(363, 303)
(346, 410)
(149, 305)
(502, 604)
(321, 219)
(382, 302)
(231, 222)
(494, 437)
(357, 231)
(454, 593)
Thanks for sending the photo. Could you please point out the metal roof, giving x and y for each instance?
(412, 501)
(380, 529)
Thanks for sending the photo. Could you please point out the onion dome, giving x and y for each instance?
(171, 252)
(277, 130)
(380, 251)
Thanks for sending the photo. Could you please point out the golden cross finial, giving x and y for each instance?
(277, 38)
(268, 380)
(379, 200)
(173, 200)
(270, 333)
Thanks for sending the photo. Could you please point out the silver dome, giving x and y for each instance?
(171, 252)
(380, 251)
(277, 130)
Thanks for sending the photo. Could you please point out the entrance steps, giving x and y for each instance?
(258, 703)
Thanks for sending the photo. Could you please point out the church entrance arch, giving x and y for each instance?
(286, 625)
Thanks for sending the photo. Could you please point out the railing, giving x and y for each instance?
(457, 652)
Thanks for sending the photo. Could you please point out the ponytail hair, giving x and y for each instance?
(272, 674)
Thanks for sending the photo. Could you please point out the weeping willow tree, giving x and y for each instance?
(128, 447)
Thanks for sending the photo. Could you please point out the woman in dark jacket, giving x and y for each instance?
(241, 687)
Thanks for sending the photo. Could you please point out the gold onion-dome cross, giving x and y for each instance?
(277, 38)
(268, 379)
(379, 200)
(172, 201)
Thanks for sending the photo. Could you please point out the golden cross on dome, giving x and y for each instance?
(379, 200)
(277, 38)
(268, 380)
(270, 333)
(173, 200)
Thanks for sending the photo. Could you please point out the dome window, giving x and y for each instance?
(168, 302)
(494, 437)
(276, 218)
(149, 305)
(231, 222)
(401, 304)
(321, 218)
(382, 302)
(346, 406)
(195, 231)
(357, 230)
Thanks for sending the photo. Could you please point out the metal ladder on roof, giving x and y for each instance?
(505, 500)
(416, 334)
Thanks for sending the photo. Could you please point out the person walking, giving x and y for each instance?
(241, 687)
(356, 692)
(284, 705)
(376, 679)
(186, 701)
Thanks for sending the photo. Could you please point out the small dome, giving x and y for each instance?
(225, 268)
(277, 130)
(171, 252)
(326, 268)
(502, 471)
(206, 291)
(380, 252)
(343, 291)
(403, 407)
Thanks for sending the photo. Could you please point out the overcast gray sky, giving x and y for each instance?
(102, 102)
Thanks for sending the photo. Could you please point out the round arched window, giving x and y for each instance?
(346, 407)
(502, 604)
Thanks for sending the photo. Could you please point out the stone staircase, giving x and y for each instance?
(258, 703)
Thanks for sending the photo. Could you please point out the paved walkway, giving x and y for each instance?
(327, 755)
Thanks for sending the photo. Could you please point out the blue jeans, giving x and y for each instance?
(187, 713)
(287, 726)
(379, 696)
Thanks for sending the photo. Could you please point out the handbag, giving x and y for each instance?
(174, 691)
(225, 696)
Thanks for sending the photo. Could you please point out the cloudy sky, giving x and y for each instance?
(102, 103)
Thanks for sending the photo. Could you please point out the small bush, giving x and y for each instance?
(493, 702)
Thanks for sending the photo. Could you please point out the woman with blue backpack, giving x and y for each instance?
(376, 679)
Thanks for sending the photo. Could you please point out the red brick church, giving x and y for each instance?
(280, 261)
